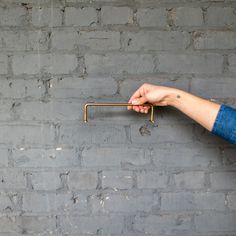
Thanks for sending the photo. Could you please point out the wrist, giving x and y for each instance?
(174, 97)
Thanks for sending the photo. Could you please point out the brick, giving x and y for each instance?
(29, 224)
(114, 157)
(53, 203)
(223, 180)
(186, 157)
(215, 222)
(45, 180)
(148, 17)
(37, 224)
(12, 179)
(161, 134)
(46, 16)
(229, 157)
(95, 40)
(86, 16)
(52, 110)
(190, 180)
(116, 15)
(204, 136)
(187, 201)
(3, 157)
(70, 87)
(177, 201)
(82, 180)
(8, 201)
(96, 134)
(187, 16)
(124, 203)
(117, 179)
(31, 134)
(232, 63)
(44, 158)
(91, 224)
(156, 40)
(190, 63)
(221, 17)
(24, 40)
(8, 225)
(210, 201)
(5, 110)
(55, 64)
(215, 40)
(119, 63)
(3, 64)
(21, 88)
(162, 224)
(151, 179)
(219, 87)
(14, 16)
(231, 200)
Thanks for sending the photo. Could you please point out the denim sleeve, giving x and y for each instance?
(225, 124)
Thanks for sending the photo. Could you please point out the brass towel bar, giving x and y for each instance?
(116, 105)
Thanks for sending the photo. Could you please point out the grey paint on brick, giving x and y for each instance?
(3, 64)
(124, 203)
(90, 225)
(187, 201)
(45, 158)
(37, 203)
(190, 180)
(24, 40)
(199, 64)
(46, 16)
(151, 179)
(97, 40)
(223, 180)
(82, 180)
(119, 63)
(21, 88)
(55, 64)
(13, 16)
(215, 40)
(46, 180)
(80, 16)
(148, 17)
(116, 15)
(12, 179)
(70, 87)
(232, 63)
(221, 16)
(215, 222)
(187, 16)
(213, 87)
(166, 224)
(117, 179)
(156, 40)
(114, 157)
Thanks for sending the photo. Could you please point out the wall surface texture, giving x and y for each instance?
(118, 174)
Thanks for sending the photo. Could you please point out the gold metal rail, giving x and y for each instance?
(116, 105)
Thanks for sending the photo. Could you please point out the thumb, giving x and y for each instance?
(139, 101)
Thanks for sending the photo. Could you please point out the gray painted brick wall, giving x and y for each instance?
(118, 174)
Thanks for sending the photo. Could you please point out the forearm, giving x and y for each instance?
(201, 110)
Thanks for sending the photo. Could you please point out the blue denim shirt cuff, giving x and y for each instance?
(225, 124)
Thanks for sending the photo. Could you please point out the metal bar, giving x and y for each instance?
(116, 105)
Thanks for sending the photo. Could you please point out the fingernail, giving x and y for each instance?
(134, 102)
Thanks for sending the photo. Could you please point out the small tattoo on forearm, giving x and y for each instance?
(178, 96)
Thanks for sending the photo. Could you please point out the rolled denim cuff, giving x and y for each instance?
(225, 124)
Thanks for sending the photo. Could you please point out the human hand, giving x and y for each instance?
(156, 95)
